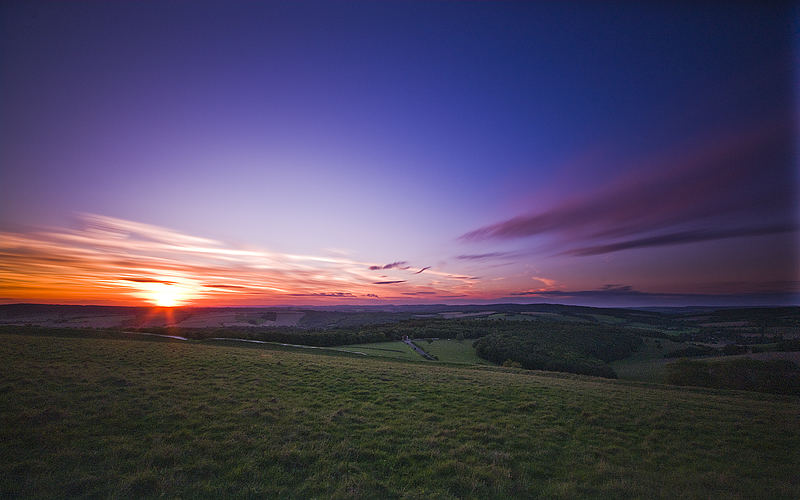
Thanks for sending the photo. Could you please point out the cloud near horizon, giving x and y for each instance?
(627, 296)
(109, 260)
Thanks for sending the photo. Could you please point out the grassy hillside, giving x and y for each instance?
(105, 418)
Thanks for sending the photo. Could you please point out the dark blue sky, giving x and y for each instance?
(590, 152)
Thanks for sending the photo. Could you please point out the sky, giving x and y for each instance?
(238, 153)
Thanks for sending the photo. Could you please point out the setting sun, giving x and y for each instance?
(165, 295)
(165, 299)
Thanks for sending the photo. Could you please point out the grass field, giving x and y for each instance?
(399, 350)
(453, 351)
(648, 363)
(105, 418)
(446, 350)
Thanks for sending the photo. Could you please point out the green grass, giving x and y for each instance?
(105, 418)
(453, 351)
(399, 350)
(648, 363)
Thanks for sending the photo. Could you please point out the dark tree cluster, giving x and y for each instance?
(566, 347)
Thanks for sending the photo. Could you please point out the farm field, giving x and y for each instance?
(157, 418)
(453, 351)
(398, 350)
(445, 350)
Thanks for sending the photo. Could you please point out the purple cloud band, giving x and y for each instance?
(680, 238)
(729, 183)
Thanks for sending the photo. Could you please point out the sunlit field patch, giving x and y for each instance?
(106, 418)
(452, 351)
(398, 350)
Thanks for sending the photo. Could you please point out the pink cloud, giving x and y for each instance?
(108, 260)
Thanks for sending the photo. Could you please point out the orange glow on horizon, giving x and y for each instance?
(116, 262)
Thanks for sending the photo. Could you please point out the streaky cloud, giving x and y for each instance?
(394, 265)
(680, 238)
(324, 294)
(627, 296)
(728, 181)
(486, 256)
(104, 259)
(149, 280)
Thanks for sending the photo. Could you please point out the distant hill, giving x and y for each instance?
(667, 320)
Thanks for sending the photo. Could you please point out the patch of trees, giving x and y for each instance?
(329, 337)
(773, 376)
(282, 335)
(439, 328)
(566, 347)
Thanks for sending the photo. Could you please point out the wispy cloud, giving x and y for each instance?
(617, 295)
(716, 190)
(488, 256)
(325, 294)
(680, 238)
(108, 260)
(393, 265)
(148, 280)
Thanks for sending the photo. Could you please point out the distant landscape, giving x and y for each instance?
(500, 401)
(635, 344)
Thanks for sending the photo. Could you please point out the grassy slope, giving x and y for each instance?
(648, 363)
(446, 350)
(97, 418)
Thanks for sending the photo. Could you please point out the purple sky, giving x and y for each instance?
(242, 153)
